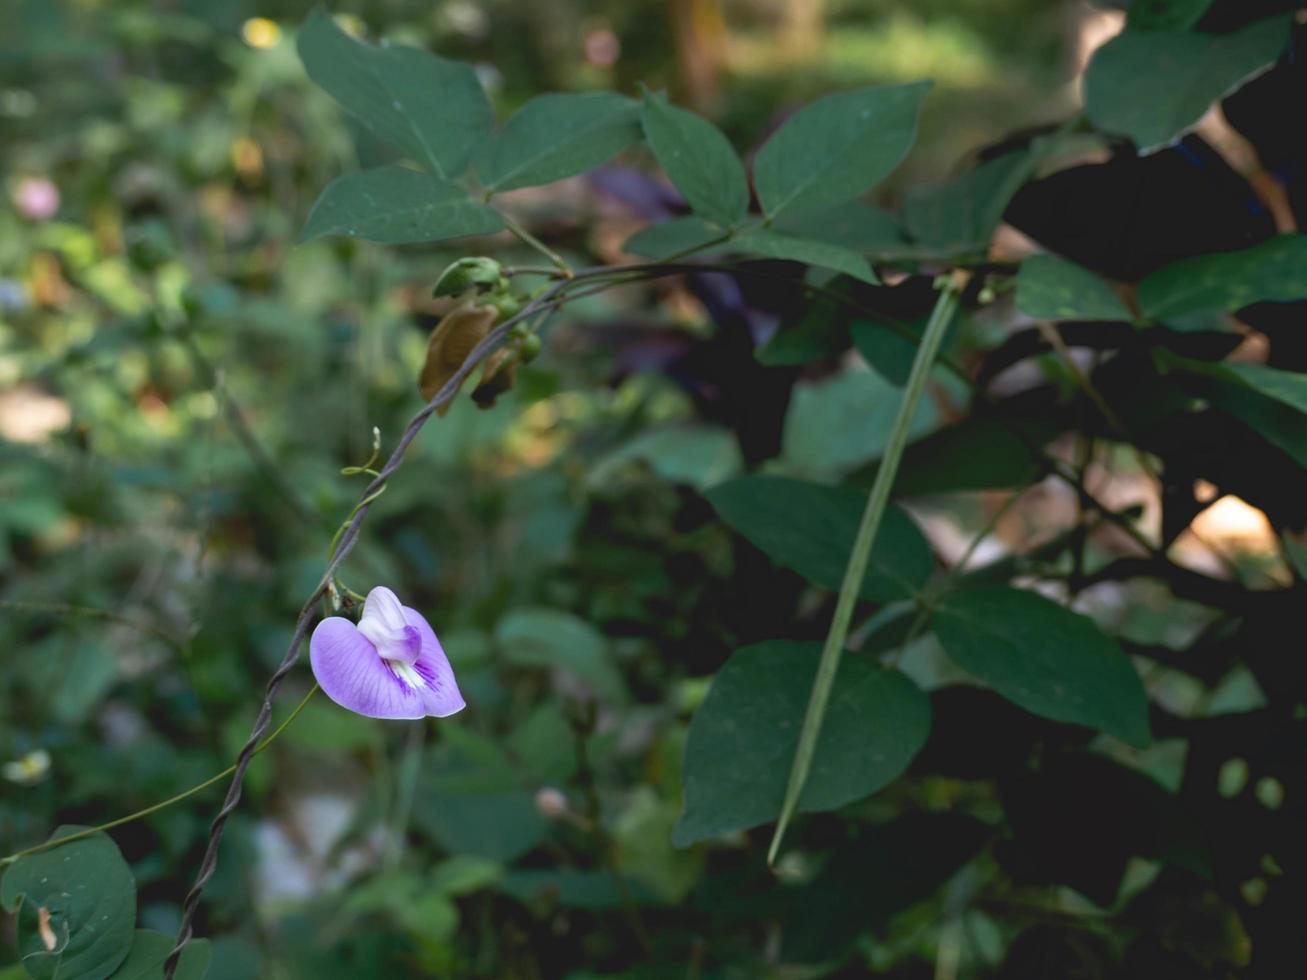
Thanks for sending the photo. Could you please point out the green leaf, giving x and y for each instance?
(844, 420)
(744, 735)
(1289, 387)
(810, 529)
(89, 895)
(1153, 85)
(1166, 15)
(698, 455)
(699, 159)
(149, 951)
(557, 640)
(1223, 282)
(959, 216)
(463, 874)
(472, 801)
(1050, 288)
(680, 236)
(775, 245)
(432, 109)
(1053, 662)
(837, 147)
(822, 331)
(854, 225)
(556, 136)
(395, 205)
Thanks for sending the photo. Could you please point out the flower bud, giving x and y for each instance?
(476, 272)
(551, 803)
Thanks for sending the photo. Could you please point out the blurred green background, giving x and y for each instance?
(180, 386)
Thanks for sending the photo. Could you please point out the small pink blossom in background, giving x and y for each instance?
(36, 198)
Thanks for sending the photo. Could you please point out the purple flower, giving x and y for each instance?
(36, 198)
(388, 666)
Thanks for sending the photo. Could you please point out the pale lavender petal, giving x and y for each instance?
(440, 695)
(383, 623)
(353, 675)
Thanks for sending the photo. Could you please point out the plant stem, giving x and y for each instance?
(526, 238)
(822, 685)
(10, 859)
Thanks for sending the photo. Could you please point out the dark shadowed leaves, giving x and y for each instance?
(810, 528)
(743, 737)
(149, 951)
(1054, 663)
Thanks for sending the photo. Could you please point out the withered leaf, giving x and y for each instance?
(454, 338)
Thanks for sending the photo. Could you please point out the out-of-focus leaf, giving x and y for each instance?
(810, 529)
(1223, 282)
(1153, 85)
(1050, 288)
(556, 136)
(837, 147)
(699, 455)
(557, 640)
(843, 421)
(1054, 663)
(149, 951)
(396, 205)
(743, 737)
(959, 217)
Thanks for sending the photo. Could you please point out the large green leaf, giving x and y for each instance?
(1289, 387)
(837, 147)
(395, 205)
(960, 215)
(1227, 281)
(699, 159)
(854, 225)
(1166, 15)
(1153, 85)
(810, 529)
(780, 246)
(1053, 662)
(1050, 288)
(744, 735)
(149, 951)
(86, 896)
(556, 136)
(432, 109)
(680, 236)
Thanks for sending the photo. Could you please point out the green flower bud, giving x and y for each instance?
(529, 348)
(475, 272)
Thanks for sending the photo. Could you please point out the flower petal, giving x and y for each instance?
(441, 694)
(353, 675)
(383, 623)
